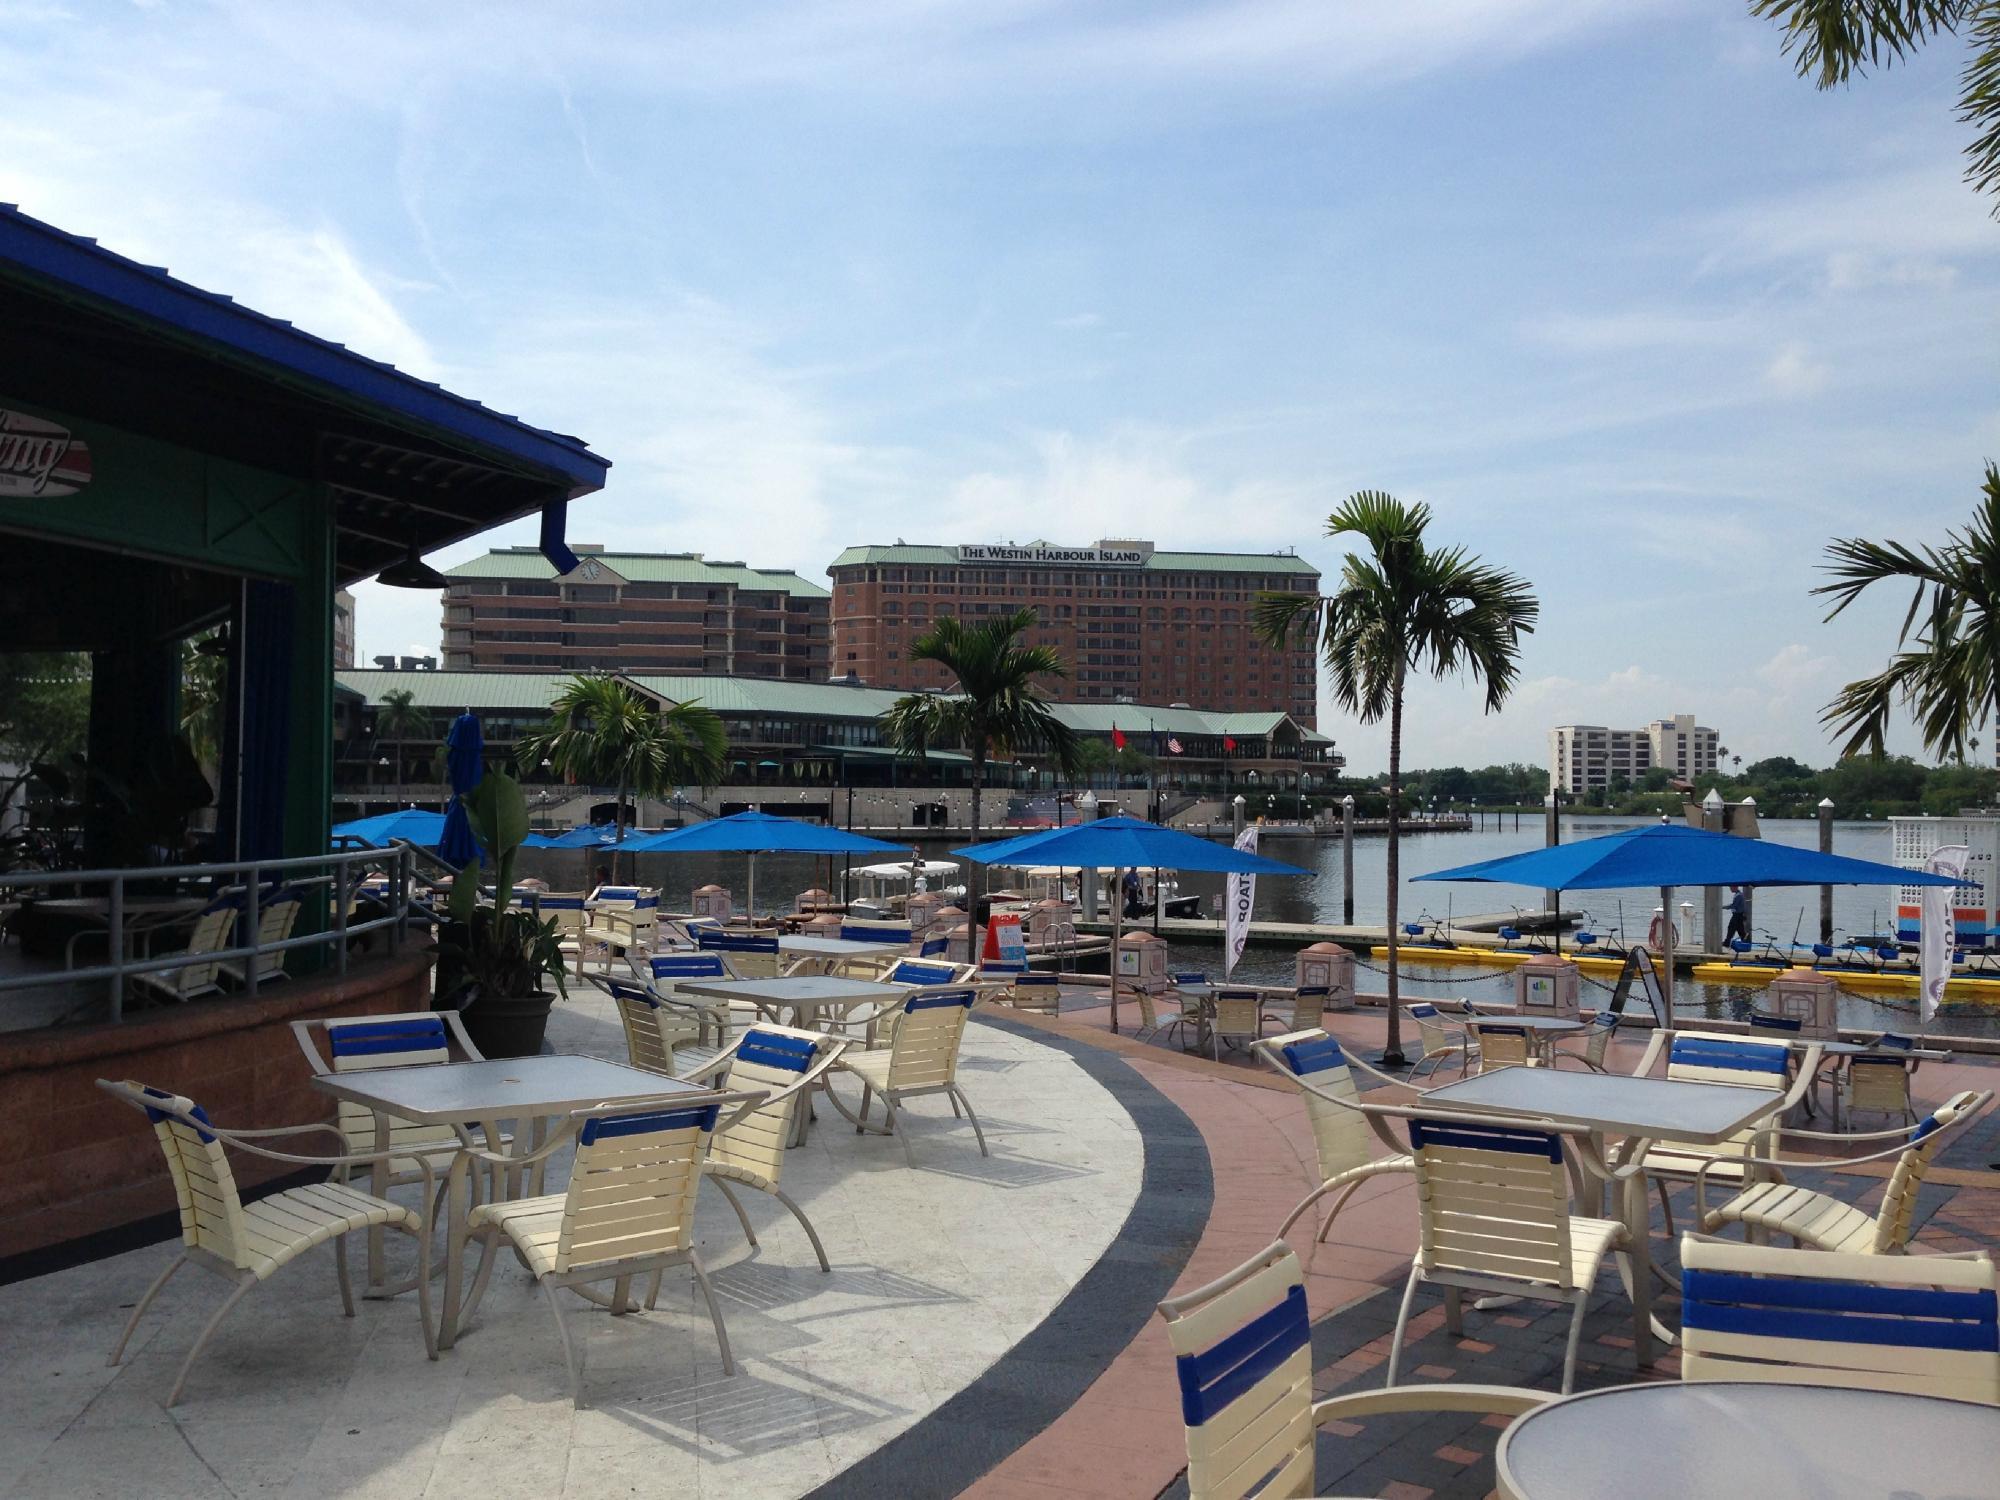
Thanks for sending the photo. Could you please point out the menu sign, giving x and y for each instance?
(39, 457)
(1043, 553)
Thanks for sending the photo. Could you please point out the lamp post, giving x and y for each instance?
(1347, 860)
(1086, 812)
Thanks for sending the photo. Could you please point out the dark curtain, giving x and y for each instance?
(259, 719)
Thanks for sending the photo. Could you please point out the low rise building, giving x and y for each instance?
(1592, 757)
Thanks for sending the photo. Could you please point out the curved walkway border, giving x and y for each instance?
(1042, 1376)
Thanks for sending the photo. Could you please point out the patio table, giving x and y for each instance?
(1777, 1442)
(1547, 1028)
(1639, 1111)
(824, 952)
(465, 1095)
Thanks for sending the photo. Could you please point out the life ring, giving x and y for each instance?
(1662, 936)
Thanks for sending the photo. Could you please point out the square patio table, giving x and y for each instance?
(1638, 1110)
(468, 1094)
(810, 948)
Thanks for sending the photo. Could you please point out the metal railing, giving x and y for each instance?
(341, 874)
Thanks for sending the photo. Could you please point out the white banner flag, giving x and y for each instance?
(1242, 896)
(1938, 933)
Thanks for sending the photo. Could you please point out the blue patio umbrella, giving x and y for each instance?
(1669, 855)
(1124, 843)
(410, 824)
(591, 836)
(464, 766)
(754, 833)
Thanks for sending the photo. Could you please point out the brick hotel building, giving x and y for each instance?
(635, 612)
(1135, 623)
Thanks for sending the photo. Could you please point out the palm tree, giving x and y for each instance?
(398, 718)
(1946, 668)
(1833, 40)
(603, 732)
(1404, 607)
(993, 708)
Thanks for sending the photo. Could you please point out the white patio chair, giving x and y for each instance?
(277, 916)
(1822, 1222)
(658, 1032)
(566, 909)
(622, 919)
(1493, 1205)
(1234, 1013)
(1323, 1074)
(922, 1058)
(1502, 1046)
(1039, 991)
(750, 955)
(1878, 1082)
(751, 1152)
(1302, 1010)
(1243, 1351)
(1439, 1040)
(213, 928)
(663, 974)
(1187, 1007)
(1922, 1325)
(627, 1213)
(249, 1242)
(1596, 1043)
(1717, 1057)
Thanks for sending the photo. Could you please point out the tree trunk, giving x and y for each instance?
(972, 880)
(1392, 1054)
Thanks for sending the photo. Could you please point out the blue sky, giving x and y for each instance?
(1638, 312)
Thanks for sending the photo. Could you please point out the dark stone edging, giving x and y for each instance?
(1042, 1376)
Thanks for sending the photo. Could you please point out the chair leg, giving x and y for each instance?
(1454, 1312)
(958, 1097)
(489, 1252)
(714, 1313)
(896, 1129)
(1582, 1296)
(421, 1234)
(805, 1224)
(145, 1302)
(340, 1272)
(737, 1204)
(214, 1322)
(569, 1351)
(861, 1122)
(1402, 1322)
(1666, 1207)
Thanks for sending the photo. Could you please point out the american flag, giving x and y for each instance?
(1174, 745)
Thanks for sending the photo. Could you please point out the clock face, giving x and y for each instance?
(591, 569)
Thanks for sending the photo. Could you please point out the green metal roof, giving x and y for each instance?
(1159, 562)
(641, 567)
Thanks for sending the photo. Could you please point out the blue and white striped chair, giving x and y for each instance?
(1742, 1062)
(1596, 1042)
(1923, 1325)
(1324, 1076)
(750, 955)
(1493, 1215)
(1243, 1353)
(663, 973)
(919, 973)
(623, 919)
(657, 1030)
(1440, 1040)
(921, 1058)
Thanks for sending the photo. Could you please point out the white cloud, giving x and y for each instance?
(1078, 321)
(1794, 372)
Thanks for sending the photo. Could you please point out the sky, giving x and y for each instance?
(1639, 313)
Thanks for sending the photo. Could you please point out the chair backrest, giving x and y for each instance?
(564, 908)
(1895, 1220)
(769, 1058)
(867, 932)
(1431, 1030)
(213, 929)
(914, 971)
(1038, 991)
(1503, 1046)
(1340, 1130)
(935, 947)
(1237, 1012)
(667, 969)
(925, 1052)
(1603, 1026)
(204, 1186)
(1244, 1357)
(1189, 978)
(406, 1040)
(1925, 1325)
(1896, 1041)
(632, 1190)
(1790, 1025)
(652, 1031)
(1309, 1005)
(1493, 1200)
(1875, 1081)
(1714, 1057)
(628, 897)
(751, 955)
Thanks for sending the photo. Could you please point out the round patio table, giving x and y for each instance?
(1728, 1438)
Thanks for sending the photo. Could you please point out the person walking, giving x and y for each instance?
(1739, 916)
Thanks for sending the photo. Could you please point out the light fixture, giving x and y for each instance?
(411, 571)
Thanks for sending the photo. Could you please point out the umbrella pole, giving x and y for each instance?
(1117, 929)
(750, 901)
(1668, 944)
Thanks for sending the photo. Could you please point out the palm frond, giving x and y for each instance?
(1829, 41)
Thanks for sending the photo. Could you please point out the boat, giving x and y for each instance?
(879, 892)
(1588, 962)
(1981, 987)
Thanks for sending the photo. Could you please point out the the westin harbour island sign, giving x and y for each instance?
(1044, 555)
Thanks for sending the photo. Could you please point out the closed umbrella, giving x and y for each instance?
(464, 745)
(1669, 855)
(755, 833)
(1124, 843)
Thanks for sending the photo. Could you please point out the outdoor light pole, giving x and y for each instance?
(1346, 859)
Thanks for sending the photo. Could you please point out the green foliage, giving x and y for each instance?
(995, 707)
(44, 711)
(204, 687)
(1946, 667)
(501, 950)
(398, 718)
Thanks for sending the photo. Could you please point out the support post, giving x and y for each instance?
(1826, 891)
(1346, 859)
(1713, 818)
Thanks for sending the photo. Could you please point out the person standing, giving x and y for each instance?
(1739, 916)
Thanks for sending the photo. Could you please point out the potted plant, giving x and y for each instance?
(502, 951)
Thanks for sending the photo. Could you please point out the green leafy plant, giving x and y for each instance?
(502, 949)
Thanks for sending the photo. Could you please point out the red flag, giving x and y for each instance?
(1117, 738)
(1174, 745)
(1228, 744)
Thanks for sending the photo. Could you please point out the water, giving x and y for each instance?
(1778, 910)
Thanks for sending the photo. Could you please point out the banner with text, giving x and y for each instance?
(1939, 932)
(1242, 896)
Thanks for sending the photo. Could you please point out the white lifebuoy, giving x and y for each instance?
(1661, 936)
